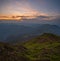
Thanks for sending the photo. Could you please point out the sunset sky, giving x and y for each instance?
(29, 9)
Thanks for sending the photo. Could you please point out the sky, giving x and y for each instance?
(30, 9)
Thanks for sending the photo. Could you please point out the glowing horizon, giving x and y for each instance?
(16, 9)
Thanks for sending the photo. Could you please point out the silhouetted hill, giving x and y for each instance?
(41, 48)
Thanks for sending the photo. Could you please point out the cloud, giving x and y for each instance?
(49, 18)
(44, 18)
(16, 8)
(19, 7)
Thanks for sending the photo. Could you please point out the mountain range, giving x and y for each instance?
(17, 32)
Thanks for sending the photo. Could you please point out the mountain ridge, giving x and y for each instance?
(19, 31)
(41, 48)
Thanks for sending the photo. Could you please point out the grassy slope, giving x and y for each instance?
(42, 48)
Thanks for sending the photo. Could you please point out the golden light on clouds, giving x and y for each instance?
(21, 10)
(9, 18)
(12, 11)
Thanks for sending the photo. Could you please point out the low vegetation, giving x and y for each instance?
(42, 48)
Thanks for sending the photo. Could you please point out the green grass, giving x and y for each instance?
(47, 49)
(42, 48)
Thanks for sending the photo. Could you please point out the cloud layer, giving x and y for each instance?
(29, 9)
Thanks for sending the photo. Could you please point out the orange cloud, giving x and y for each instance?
(9, 18)
(22, 8)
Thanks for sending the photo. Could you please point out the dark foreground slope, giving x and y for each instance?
(42, 48)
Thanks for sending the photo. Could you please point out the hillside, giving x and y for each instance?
(42, 48)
